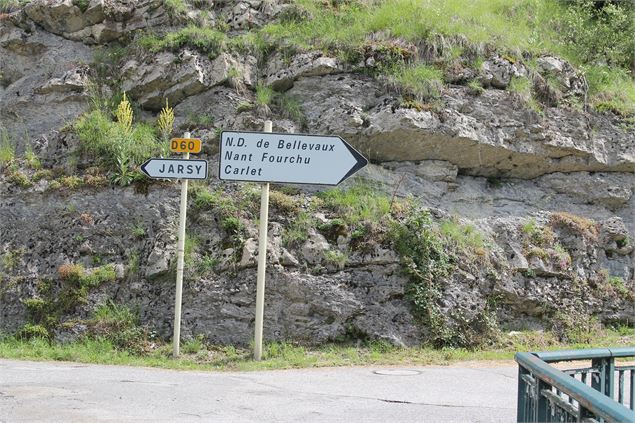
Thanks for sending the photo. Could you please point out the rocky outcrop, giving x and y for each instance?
(488, 135)
(100, 21)
(498, 72)
(172, 77)
(280, 75)
(73, 81)
(42, 82)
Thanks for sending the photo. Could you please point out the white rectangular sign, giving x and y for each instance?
(175, 169)
(287, 158)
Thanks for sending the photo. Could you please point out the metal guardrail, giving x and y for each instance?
(584, 395)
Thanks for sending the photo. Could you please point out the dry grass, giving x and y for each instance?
(586, 227)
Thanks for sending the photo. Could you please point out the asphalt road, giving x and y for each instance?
(71, 392)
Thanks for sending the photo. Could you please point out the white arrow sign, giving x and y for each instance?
(287, 158)
(175, 169)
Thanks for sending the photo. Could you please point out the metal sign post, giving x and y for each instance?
(183, 169)
(262, 262)
(285, 158)
(180, 264)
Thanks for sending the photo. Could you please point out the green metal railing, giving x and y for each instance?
(584, 395)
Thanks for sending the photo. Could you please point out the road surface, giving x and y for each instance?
(71, 392)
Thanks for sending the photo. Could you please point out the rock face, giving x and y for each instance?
(551, 191)
(42, 82)
(488, 135)
(364, 297)
(175, 78)
(101, 21)
(87, 228)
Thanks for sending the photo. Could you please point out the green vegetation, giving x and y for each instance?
(30, 331)
(264, 95)
(244, 106)
(194, 346)
(7, 149)
(268, 100)
(83, 279)
(206, 264)
(32, 160)
(431, 252)
(70, 181)
(20, 178)
(356, 204)
(523, 88)
(621, 243)
(539, 241)
(118, 326)
(611, 89)
(290, 108)
(594, 32)
(231, 206)
(12, 5)
(476, 87)
(617, 282)
(165, 121)
(348, 24)
(207, 40)
(138, 231)
(536, 234)
(427, 262)
(298, 231)
(577, 327)
(283, 203)
(615, 285)
(420, 83)
(595, 37)
(82, 4)
(51, 302)
(190, 246)
(196, 354)
(10, 259)
(47, 174)
(464, 236)
(335, 258)
(175, 7)
(120, 145)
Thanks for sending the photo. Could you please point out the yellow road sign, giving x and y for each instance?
(185, 145)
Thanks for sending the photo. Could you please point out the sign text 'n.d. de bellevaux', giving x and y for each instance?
(287, 158)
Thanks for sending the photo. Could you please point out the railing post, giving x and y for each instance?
(604, 382)
(632, 389)
(521, 406)
(542, 403)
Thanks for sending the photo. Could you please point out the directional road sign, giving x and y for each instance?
(287, 158)
(185, 145)
(175, 169)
